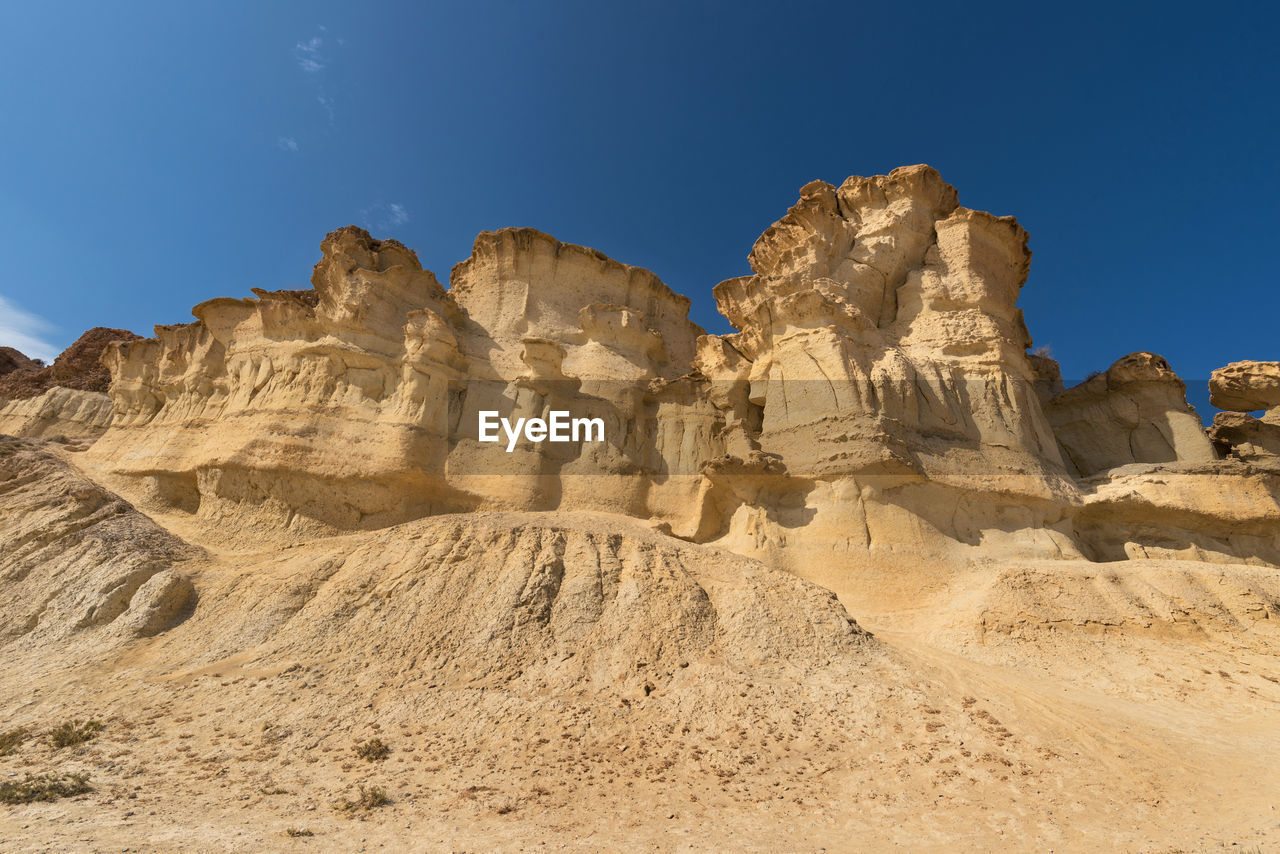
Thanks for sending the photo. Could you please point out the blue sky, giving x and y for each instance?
(160, 154)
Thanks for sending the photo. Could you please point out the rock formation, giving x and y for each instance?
(79, 563)
(806, 573)
(77, 367)
(389, 371)
(58, 412)
(65, 399)
(1245, 437)
(1246, 386)
(878, 394)
(1242, 388)
(14, 360)
(1135, 412)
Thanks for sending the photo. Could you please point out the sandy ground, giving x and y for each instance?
(968, 720)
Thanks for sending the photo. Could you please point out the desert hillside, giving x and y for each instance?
(864, 575)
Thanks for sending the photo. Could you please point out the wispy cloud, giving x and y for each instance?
(397, 214)
(25, 331)
(312, 57)
(308, 55)
(384, 216)
(325, 101)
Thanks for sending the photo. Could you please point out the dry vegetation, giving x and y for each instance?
(44, 787)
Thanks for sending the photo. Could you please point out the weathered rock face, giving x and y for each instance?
(1136, 412)
(58, 412)
(884, 313)
(14, 360)
(1212, 512)
(878, 397)
(65, 399)
(1246, 386)
(1047, 376)
(875, 425)
(1153, 485)
(388, 372)
(295, 403)
(881, 364)
(79, 561)
(615, 321)
(77, 367)
(551, 326)
(1247, 438)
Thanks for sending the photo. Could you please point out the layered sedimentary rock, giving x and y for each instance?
(551, 326)
(878, 396)
(876, 425)
(1153, 486)
(77, 367)
(58, 412)
(1135, 412)
(391, 372)
(80, 562)
(1215, 512)
(881, 317)
(209, 412)
(1047, 375)
(65, 399)
(882, 358)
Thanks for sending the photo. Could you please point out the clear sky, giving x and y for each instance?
(157, 154)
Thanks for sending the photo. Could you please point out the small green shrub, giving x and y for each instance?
(44, 787)
(75, 732)
(295, 832)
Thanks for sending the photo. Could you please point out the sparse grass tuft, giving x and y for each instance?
(10, 741)
(371, 797)
(373, 750)
(71, 733)
(295, 832)
(44, 787)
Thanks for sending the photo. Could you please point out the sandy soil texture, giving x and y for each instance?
(532, 681)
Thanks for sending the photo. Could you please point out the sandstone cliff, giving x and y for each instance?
(1136, 412)
(1045, 615)
(65, 399)
(878, 396)
(77, 367)
(58, 412)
